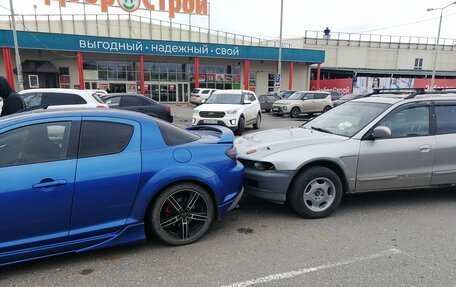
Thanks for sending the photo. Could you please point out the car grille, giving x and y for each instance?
(212, 115)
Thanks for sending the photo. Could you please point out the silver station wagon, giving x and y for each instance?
(371, 144)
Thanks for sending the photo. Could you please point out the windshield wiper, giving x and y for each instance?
(322, 130)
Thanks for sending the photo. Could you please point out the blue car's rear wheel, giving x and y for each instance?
(182, 214)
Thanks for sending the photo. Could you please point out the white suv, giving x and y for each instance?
(234, 109)
(54, 98)
(198, 96)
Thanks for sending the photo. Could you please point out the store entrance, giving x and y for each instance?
(118, 88)
(170, 92)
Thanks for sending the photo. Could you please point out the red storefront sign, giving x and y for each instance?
(344, 86)
(439, 83)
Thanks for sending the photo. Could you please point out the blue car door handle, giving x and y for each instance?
(50, 183)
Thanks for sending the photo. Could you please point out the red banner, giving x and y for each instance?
(344, 86)
(439, 83)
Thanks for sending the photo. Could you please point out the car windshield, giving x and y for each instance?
(225, 99)
(348, 119)
(296, 96)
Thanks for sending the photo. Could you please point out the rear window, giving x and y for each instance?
(446, 118)
(175, 136)
(61, 99)
(97, 98)
(104, 138)
(321, 96)
(195, 91)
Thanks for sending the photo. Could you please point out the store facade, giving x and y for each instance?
(167, 71)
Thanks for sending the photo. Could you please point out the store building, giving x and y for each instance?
(360, 62)
(122, 53)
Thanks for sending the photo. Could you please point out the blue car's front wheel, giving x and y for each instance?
(182, 214)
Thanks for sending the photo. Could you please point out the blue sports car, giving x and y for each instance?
(72, 181)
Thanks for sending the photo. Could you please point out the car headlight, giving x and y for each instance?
(258, 165)
(196, 111)
(232, 112)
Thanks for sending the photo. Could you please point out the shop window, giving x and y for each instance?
(64, 71)
(271, 82)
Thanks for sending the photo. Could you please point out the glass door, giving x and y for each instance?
(183, 91)
(154, 92)
(164, 97)
(172, 93)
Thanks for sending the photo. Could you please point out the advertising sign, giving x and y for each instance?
(345, 86)
(439, 83)
(364, 85)
(196, 7)
(62, 42)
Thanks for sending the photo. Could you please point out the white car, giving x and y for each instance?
(54, 98)
(234, 109)
(198, 96)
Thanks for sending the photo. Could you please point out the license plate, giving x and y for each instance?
(210, 122)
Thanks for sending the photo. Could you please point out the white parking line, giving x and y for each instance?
(295, 273)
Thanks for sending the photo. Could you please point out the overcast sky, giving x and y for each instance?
(261, 18)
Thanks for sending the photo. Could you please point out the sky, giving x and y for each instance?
(261, 18)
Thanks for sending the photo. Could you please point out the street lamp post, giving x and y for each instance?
(16, 48)
(437, 42)
(279, 72)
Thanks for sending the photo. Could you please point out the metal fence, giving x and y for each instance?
(129, 26)
(373, 40)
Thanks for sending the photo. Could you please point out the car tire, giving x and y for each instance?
(241, 126)
(326, 109)
(295, 112)
(316, 193)
(181, 214)
(257, 125)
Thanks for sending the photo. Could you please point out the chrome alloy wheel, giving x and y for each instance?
(319, 194)
(183, 214)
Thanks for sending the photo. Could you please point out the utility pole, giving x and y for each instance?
(434, 69)
(16, 48)
(279, 69)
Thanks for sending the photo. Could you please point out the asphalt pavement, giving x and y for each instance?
(402, 238)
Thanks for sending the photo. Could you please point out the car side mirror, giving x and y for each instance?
(305, 98)
(381, 132)
(203, 101)
(247, 102)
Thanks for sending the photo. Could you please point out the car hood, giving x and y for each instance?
(276, 140)
(285, 102)
(217, 108)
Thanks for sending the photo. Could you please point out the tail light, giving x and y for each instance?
(168, 109)
(232, 153)
(101, 107)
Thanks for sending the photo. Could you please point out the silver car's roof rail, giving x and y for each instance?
(413, 92)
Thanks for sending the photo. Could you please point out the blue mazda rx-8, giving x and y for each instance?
(73, 181)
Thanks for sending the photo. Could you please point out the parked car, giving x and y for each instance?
(79, 180)
(198, 96)
(266, 101)
(335, 95)
(234, 109)
(303, 103)
(56, 98)
(346, 98)
(365, 145)
(284, 95)
(140, 104)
